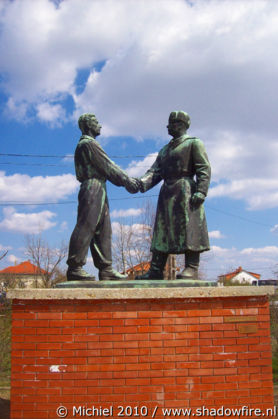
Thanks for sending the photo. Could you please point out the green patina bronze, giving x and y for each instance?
(93, 228)
(137, 284)
(180, 224)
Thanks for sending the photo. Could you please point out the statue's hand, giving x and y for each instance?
(141, 186)
(197, 199)
(132, 185)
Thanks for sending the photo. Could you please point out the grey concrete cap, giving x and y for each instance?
(137, 293)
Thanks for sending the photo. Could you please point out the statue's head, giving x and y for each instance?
(179, 122)
(180, 116)
(88, 124)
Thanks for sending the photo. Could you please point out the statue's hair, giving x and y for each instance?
(83, 121)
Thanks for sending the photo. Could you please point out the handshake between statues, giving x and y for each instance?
(133, 185)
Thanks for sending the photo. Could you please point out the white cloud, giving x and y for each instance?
(53, 114)
(36, 37)
(29, 189)
(228, 154)
(212, 59)
(16, 110)
(262, 260)
(28, 223)
(259, 193)
(138, 168)
(274, 229)
(63, 226)
(141, 228)
(217, 250)
(244, 168)
(69, 158)
(131, 212)
(207, 58)
(216, 234)
(157, 59)
(267, 250)
(118, 227)
(137, 229)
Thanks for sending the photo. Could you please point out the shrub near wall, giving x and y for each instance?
(5, 342)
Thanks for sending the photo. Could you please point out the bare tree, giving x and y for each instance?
(131, 242)
(131, 245)
(47, 260)
(10, 281)
(121, 238)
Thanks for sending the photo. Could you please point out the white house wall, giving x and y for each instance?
(244, 277)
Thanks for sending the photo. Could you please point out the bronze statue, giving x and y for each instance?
(180, 224)
(93, 228)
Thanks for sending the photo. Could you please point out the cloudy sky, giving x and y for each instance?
(131, 62)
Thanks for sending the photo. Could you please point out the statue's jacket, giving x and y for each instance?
(184, 167)
(93, 167)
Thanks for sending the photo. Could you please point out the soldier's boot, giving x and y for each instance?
(192, 260)
(158, 262)
(78, 274)
(109, 274)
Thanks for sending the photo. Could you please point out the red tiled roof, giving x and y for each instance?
(230, 275)
(145, 266)
(24, 268)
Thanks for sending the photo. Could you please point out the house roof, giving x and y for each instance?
(230, 275)
(24, 268)
(145, 266)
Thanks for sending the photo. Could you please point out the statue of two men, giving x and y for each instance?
(180, 224)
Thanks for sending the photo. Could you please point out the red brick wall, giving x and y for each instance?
(167, 353)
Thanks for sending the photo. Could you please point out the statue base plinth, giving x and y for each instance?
(145, 349)
(147, 283)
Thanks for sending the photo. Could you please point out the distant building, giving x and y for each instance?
(239, 276)
(268, 282)
(24, 275)
(142, 268)
(139, 269)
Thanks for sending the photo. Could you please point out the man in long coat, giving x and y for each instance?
(93, 228)
(180, 224)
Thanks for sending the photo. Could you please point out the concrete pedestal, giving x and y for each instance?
(135, 352)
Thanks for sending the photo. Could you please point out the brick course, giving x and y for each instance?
(180, 353)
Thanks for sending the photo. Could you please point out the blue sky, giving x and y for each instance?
(132, 63)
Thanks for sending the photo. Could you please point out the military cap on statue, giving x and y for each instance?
(180, 116)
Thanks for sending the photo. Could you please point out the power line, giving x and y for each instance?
(44, 164)
(68, 202)
(238, 216)
(112, 199)
(34, 155)
(70, 155)
(31, 164)
(16, 203)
